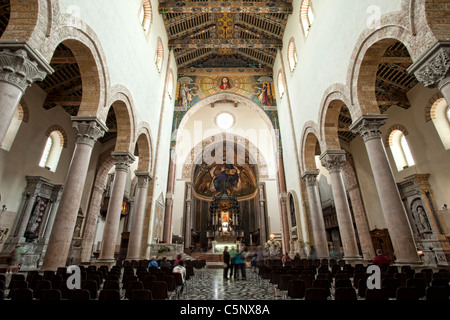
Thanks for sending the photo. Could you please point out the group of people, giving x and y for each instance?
(178, 266)
(234, 260)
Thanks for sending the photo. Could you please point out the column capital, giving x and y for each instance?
(88, 129)
(333, 160)
(368, 126)
(142, 179)
(21, 65)
(432, 69)
(310, 177)
(123, 160)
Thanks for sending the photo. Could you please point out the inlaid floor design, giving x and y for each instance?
(208, 284)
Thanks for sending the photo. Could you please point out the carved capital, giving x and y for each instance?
(368, 126)
(122, 160)
(333, 160)
(88, 129)
(20, 65)
(310, 178)
(432, 69)
(142, 179)
(283, 198)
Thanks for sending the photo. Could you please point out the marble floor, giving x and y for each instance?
(208, 284)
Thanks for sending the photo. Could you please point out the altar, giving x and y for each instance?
(224, 226)
(220, 246)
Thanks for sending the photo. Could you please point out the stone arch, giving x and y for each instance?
(61, 133)
(409, 29)
(223, 97)
(395, 127)
(430, 108)
(86, 48)
(438, 18)
(144, 145)
(310, 138)
(122, 103)
(334, 98)
(24, 111)
(29, 22)
(241, 142)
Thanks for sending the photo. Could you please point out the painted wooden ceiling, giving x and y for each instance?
(244, 33)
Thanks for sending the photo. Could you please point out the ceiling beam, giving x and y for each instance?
(396, 60)
(256, 59)
(226, 43)
(187, 63)
(194, 31)
(275, 6)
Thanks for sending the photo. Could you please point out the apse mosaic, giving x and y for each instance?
(214, 179)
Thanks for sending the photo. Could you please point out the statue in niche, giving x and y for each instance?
(422, 220)
(420, 217)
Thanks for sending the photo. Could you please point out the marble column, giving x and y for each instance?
(90, 225)
(167, 236)
(188, 216)
(134, 243)
(283, 204)
(262, 214)
(88, 130)
(56, 198)
(122, 160)
(432, 69)
(359, 213)
(318, 224)
(20, 66)
(368, 126)
(333, 161)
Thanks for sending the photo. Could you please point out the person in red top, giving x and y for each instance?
(380, 259)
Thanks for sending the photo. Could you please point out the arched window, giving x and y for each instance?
(159, 56)
(52, 151)
(280, 84)
(440, 115)
(13, 129)
(400, 150)
(145, 15)
(170, 83)
(292, 55)
(306, 16)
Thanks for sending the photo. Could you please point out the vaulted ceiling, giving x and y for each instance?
(244, 33)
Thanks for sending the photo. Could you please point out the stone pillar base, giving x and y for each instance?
(416, 264)
(353, 260)
(105, 262)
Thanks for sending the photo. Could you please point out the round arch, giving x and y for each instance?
(144, 145)
(242, 144)
(120, 100)
(333, 100)
(310, 138)
(85, 46)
